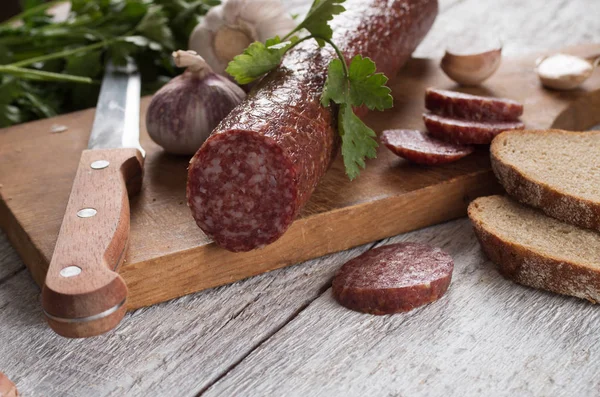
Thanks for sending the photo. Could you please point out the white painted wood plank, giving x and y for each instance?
(180, 347)
(176, 347)
(10, 263)
(524, 26)
(491, 323)
(487, 335)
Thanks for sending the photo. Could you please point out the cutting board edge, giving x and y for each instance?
(224, 267)
(30, 255)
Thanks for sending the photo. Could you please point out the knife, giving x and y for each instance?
(83, 294)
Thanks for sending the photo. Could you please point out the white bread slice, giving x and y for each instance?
(538, 251)
(556, 171)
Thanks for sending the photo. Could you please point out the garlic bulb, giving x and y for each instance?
(564, 72)
(229, 28)
(183, 113)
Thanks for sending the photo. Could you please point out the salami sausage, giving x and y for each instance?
(394, 278)
(250, 179)
(419, 147)
(471, 107)
(467, 132)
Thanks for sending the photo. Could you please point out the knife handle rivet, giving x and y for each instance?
(99, 164)
(70, 271)
(86, 213)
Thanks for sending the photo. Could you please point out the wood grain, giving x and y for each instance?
(174, 348)
(171, 257)
(189, 343)
(77, 305)
(10, 263)
(485, 336)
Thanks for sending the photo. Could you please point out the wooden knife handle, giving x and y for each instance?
(83, 294)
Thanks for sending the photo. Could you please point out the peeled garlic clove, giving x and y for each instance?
(471, 69)
(564, 72)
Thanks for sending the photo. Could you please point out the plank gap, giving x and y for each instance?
(11, 275)
(324, 288)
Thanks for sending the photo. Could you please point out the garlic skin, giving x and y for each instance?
(228, 29)
(184, 112)
(564, 72)
(471, 69)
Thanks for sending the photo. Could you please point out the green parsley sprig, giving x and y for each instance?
(351, 85)
(48, 67)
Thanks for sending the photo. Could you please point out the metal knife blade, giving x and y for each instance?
(117, 119)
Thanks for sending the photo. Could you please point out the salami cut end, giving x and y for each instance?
(471, 107)
(419, 147)
(240, 186)
(394, 278)
(467, 132)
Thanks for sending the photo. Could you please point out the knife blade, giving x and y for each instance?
(83, 294)
(117, 118)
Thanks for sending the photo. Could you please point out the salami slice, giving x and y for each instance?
(251, 178)
(467, 132)
(394, 278)
(419, 147)
(471, 107)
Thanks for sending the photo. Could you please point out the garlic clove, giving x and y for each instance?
(228, 29)
(254, 12)
(563, 71)
(229, 42)
(201, 41)
(471, 69)
(232, 10)
(275, 27)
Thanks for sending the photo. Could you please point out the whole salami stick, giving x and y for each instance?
(251, 178)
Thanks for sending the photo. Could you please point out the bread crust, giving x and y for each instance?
(535, 269)
(560, 205)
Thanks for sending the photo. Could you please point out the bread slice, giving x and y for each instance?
(535, 250)
(556, 171)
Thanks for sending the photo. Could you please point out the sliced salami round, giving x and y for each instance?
(471, 107)
(467, 132)
(421, 148)
(394, 278)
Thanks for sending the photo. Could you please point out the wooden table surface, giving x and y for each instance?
(283, 334)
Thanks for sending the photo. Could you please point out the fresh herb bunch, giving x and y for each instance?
(351, 85)
(48, 67)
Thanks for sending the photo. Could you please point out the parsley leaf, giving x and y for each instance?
(258, 59)
(362, 86)
(367, 87)
(316, 21)
(336, 84)
(154, 25)
(357, 141)
(49, 57)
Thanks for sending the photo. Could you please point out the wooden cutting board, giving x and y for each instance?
(169, 255)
